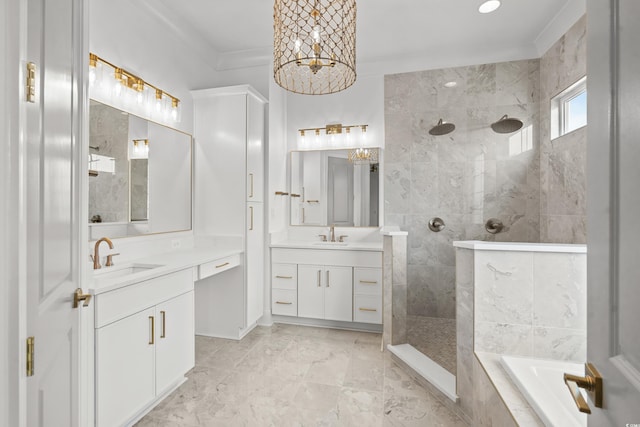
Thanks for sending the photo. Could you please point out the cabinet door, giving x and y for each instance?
(338, 293)
(255, 150)
(175, 340)
(311, 291)
(125, 368)
(255, 262)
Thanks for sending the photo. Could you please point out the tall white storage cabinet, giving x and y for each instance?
(229, 203)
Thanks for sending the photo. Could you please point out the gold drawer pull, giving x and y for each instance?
(222, 265)
(313, 201)
(284, 303)
(164, 325)
(284, 277)
(367, 309)
(152, 339)
(369, 282)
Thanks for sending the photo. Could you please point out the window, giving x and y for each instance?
(569, 109)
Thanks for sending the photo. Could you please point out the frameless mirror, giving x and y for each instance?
(326, 188)
(139, 175)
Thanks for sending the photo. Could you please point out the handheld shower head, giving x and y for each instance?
(442, 128)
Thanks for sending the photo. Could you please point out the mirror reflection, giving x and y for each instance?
(328, 189)
(139, 175)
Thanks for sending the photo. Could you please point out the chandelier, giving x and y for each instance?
(363, 156)
(314, 45)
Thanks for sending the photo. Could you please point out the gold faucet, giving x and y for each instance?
(96, 254)
(332, 233)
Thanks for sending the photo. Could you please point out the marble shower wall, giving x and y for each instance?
(466, 177)
(563, 161)
(109, 193)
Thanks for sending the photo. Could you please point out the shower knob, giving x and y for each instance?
(436, 224)
(493, 226)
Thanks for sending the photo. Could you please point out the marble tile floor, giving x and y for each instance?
(288, 375)
(434, 337)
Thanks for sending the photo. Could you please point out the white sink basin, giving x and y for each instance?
(122, 270)
(330, 243)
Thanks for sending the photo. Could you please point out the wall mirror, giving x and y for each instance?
(326, 188)
(139, 175)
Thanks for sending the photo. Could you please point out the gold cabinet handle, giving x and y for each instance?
(367, 309)
(79, 296)
(222, 265)
(591, 382)
(285, 303)
(327, 278)
(319, 274)
(284, 277)
(281, 193)
(313, 201)
(251, 212)
(152, 340)
(251, 186)
(294, 195)
(164, 325)
(368, 282)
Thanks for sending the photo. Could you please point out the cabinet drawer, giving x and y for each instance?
(284, 276)
(284, 302)
(367, 281)
(218, 266)
(114, 305)
(367, 309)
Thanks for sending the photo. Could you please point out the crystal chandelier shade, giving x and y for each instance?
(314, 45)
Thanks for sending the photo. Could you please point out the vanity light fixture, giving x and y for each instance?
(141, 146)
(489, 6)
(126, 84)
(314, 45)
(334, 135)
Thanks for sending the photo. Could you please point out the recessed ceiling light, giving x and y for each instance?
(489, 6)
(451, 84)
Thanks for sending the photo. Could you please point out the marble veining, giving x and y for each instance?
(464, 177)
(289, 375)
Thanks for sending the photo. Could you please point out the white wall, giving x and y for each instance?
(362, 103)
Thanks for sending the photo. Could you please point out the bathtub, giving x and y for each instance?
(541, 382)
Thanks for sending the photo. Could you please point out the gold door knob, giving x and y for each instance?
(79, 296)
(591, 382)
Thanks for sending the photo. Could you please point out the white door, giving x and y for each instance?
(175, 340)
(310, 291)
(338, 293)
(614, 208)
(53, 195)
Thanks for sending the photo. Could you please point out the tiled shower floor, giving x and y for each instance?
(435, 338)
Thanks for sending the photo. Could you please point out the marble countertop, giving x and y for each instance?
(167, 263)
(520, 246)
(520, 409)
(349, 246)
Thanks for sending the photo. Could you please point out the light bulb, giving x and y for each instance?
(136, 147)
(316, 34)
(298, 45)
(92, 75)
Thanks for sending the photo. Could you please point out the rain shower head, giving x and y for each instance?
(442, 128)
(506, 124)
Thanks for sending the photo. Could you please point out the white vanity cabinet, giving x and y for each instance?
(325, 292)
(144, 345)
(333, 285)
(229, 202)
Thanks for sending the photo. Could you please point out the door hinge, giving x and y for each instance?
(30, 351)
(31, 82)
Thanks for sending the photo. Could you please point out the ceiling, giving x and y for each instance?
(241, 31)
